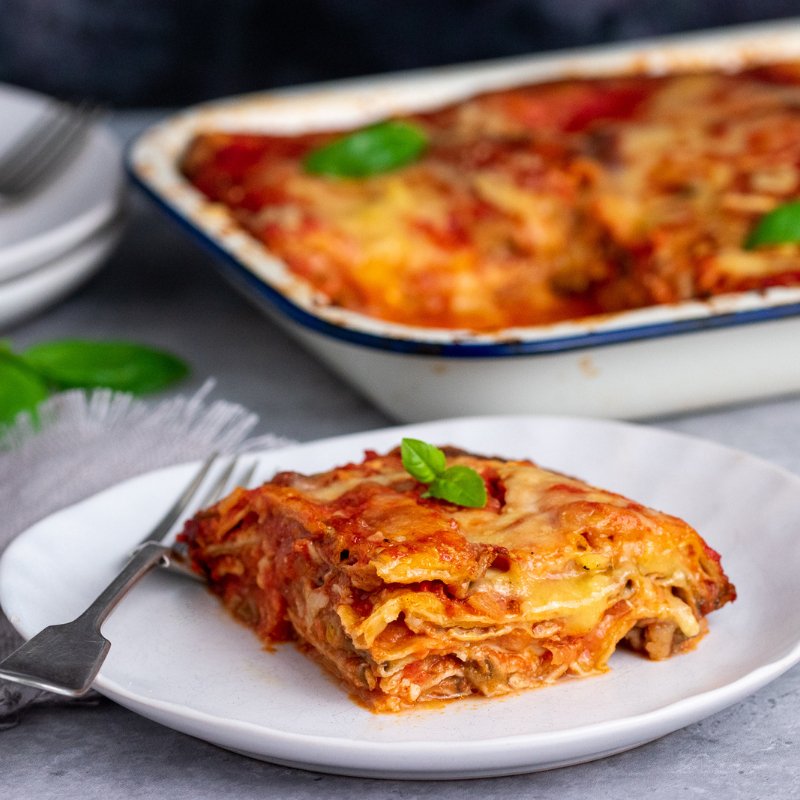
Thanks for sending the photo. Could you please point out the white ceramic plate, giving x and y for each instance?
(179, 659)
(81, 199)
(39, 288)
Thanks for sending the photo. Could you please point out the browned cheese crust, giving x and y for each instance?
(535, 204)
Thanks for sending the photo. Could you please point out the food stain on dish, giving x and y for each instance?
(588, 367)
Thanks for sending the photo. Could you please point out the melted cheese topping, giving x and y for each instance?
(550, 573)
(538, 203)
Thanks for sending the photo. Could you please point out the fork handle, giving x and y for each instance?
(66, 658)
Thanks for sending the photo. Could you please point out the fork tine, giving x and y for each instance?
(247, 475)
(30, 140)
(218, 487)
(70, 136)
(45, 151)
(169, 519)
(177, 561)
(28, 150)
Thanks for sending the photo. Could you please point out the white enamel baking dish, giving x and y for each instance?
(633, 364)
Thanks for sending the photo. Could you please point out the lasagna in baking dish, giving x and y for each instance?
(407, 599)
(535, 204)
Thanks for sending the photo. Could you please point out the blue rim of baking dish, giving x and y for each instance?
(260, 292)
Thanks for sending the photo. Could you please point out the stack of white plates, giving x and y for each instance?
(55, 239)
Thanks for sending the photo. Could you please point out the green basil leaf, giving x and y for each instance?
(460, 485)
(779, 226)
(369, 151)
(122, 366)
(422, 460)
(20, 389)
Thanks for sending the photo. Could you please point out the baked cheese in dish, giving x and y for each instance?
(408, 599)
(535, 204)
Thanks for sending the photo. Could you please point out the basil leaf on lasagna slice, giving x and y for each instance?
(408, 599)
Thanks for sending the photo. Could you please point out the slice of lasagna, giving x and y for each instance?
(408, 599)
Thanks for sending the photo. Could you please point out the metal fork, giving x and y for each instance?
(47, 145)
(65, 659)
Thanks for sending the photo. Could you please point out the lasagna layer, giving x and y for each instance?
(535, 204)
(408, 599)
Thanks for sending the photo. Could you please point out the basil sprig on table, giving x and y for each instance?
(21, 389)
(370, 151)
(779, 226)
(28, 377)
(458, 484)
